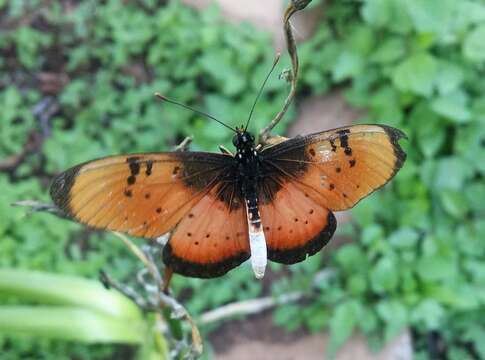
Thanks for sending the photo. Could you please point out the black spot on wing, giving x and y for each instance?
(134, 164)
(344, 138)
(149, 167)
(311, 247)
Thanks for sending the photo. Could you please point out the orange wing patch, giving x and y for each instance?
(210, 240)
(337, 168)
(143, 195)
(295, 225)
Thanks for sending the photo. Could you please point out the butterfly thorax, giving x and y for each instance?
(248, 163)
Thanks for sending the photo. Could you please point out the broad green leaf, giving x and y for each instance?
(394, 315)
(404, 238)
(416, 74)
(347, 65)
(431, 133)
(475, 193)
(384, 276)
(451, 173)
(432, 268)
(342, 324)
(452, 106)
(351, 258)
(474, 46)
(449, 78)
(454, 203)
(428, 312)
(432, 16)
(390, 50)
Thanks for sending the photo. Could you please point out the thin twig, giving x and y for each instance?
(130, 293)
(37, 206)
(248, 307)
(295, 6)
(255, 306)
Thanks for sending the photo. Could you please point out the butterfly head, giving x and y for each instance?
(243, 139)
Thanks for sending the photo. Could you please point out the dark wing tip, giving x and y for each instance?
(295, 255)
(204, 271)
(395, 135)
(61, 186)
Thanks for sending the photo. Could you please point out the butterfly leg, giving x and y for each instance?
(224, 150)
(167, 276)
(184, 145)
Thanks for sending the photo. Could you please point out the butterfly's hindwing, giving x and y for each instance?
(211, 239)
(295, 226)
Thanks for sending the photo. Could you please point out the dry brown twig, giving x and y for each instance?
(291, 75)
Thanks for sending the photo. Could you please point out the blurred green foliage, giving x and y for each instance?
(414, 64)
(108, 59)
(419, 66)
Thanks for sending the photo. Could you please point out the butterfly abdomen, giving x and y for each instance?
(257, 240)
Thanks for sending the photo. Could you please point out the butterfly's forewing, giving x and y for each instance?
(143, 195)
(212, 238)
(320, 173)
(339, 167)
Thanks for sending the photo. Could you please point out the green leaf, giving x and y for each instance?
(384, 276)
(390, 50)
(350, 258)
(454, 202)
(432, 16)
(449, 78)
(376, 12)
(347, 65)
(389, 14)
(432, 268)
(475, 193)
(430, 313)
(474, 46)
(404, 238)
(452, 106)
(394, 315)
(430, 132)
(451, 173)
(416, 74)
(342, 324)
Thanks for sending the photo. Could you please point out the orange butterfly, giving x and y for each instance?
(265, 202)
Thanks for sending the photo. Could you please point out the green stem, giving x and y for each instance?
(67, 290)
(70, 323)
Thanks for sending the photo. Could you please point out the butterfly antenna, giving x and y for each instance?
(277, 58)
(163, 98)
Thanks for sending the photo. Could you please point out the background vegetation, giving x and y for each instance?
(77, 82)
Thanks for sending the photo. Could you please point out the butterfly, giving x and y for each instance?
(272, 202)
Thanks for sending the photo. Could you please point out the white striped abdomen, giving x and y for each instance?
(257, 241)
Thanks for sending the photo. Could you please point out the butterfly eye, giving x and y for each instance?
(235, 140)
